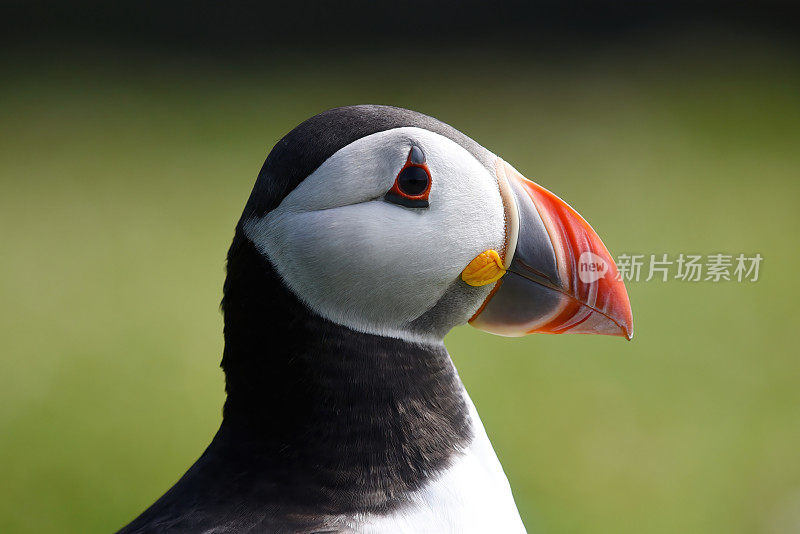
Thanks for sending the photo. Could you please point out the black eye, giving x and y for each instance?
(413, 181)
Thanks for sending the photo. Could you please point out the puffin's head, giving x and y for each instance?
(391, 222)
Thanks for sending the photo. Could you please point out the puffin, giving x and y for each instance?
(372, 231)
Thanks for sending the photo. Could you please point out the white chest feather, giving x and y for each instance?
(472, 496)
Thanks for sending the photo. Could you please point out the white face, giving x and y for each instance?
(375, 266)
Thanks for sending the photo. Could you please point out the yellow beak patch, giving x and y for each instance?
(487, 267)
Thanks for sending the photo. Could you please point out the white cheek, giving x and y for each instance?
(355, 261)
(362, 173)
(376, 266)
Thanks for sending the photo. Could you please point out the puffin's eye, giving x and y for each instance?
(413, 182)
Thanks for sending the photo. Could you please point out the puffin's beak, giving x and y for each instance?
(559, 277)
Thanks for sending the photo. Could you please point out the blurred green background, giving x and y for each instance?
(123, 173)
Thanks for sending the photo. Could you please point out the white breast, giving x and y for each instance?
(473, 495)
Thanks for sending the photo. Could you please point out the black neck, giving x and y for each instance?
(337, 418)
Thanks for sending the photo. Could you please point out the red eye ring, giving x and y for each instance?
(413, 183)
